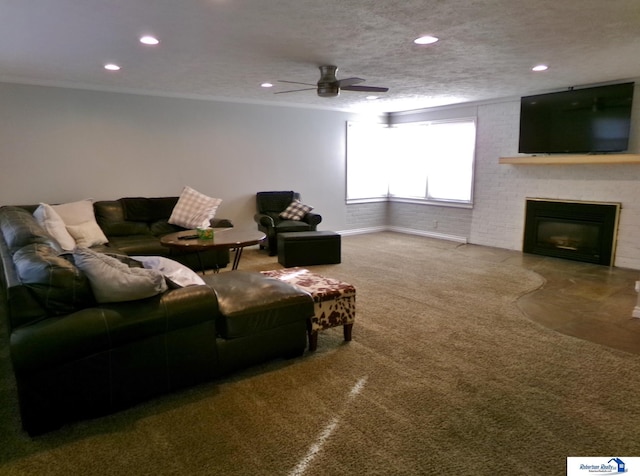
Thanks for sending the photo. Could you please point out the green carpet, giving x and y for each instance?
(444, 376)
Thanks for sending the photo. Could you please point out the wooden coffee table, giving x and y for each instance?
(228, 238)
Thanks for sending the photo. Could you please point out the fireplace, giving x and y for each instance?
(581, 231)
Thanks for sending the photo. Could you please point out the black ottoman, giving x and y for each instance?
(306, 248)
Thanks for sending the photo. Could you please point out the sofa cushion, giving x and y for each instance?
(251, 303)
(139, 245)
(194, 209)
(110, 217)
(53, 279)
(113, 281)
(163, 227)
(147, 209)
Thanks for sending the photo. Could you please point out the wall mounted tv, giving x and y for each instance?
(588, 120)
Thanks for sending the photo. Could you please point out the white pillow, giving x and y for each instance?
(49, 219)
(194, 209)
(75, 213)
(87, 234)
(113, 281)
(172, 270)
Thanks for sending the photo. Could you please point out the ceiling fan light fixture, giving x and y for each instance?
(425, 40)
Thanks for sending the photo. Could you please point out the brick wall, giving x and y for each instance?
(366, 216)
(500, 191)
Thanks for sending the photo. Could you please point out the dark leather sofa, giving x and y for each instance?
(135, 225)
(74, 358)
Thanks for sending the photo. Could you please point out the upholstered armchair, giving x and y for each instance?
(276, 214)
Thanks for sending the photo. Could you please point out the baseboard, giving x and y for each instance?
(429, 234)
(408, 231)
(363, 231)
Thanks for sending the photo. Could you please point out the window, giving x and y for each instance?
(366, 161)
(422, 161)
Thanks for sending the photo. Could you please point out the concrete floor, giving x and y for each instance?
(588, 301)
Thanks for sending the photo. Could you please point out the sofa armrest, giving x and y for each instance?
(313, 219)
(264, 220)
(221, 223)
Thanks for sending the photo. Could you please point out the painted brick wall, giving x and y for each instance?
(501, 190)
(430, 219)
(366, 216)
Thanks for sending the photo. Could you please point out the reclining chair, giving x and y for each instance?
(271, 205)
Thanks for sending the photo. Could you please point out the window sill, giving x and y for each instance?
(417, 201)
(437, 203)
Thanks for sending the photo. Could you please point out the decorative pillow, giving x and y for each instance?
(51, 221)
(114, 281)
(177, 274)
(295, 211)
(87, 234)
(194, 209)
(57, 218)
(75, 213)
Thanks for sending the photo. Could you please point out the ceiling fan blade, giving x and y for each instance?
(295, 90)
(368, 89)
(295, 82)
(342, 83)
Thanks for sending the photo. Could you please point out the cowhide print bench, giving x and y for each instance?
(334, 301)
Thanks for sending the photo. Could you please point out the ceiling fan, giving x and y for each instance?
(329, 86)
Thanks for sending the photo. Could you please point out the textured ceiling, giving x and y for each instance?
(224, 49)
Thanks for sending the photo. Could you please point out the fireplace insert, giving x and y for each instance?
(581, 231)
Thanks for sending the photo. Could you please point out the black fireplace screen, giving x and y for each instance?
(581, 231)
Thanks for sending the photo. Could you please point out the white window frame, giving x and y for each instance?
(383, 158)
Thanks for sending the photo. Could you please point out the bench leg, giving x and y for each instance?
(347, 331)
(313, 340)
(313, 336)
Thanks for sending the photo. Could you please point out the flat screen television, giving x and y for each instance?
(588, 120)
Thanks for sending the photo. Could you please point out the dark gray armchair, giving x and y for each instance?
(269, 206)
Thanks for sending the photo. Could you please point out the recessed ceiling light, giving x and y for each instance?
(425, 40)
(540, 67)
(111, 67)
(149, 40)
(371, 98)
(266, 85)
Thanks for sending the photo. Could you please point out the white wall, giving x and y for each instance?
(60, 145)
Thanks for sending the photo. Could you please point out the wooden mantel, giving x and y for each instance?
(572, 159)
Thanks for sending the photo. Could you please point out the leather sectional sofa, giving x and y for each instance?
(75, 358)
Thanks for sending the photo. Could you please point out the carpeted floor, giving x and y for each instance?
(444, 375)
